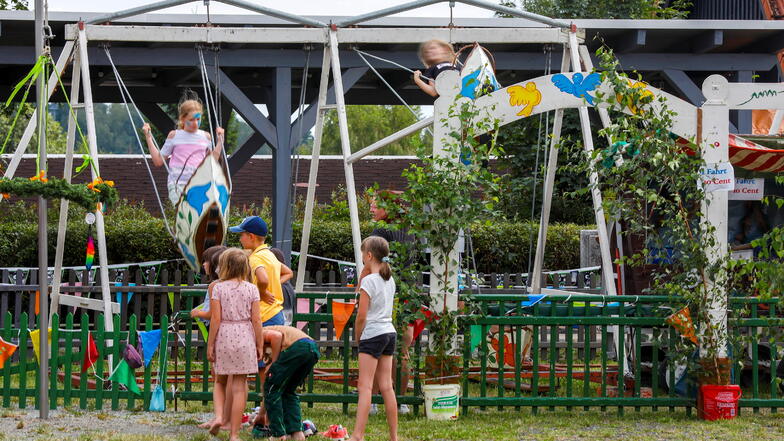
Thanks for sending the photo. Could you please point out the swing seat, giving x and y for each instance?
(477, 77)
(202, 211)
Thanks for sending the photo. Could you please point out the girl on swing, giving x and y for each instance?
(185, 147)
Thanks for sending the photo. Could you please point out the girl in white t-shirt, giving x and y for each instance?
(376, 335)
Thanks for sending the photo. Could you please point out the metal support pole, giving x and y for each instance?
(547, 197)
(43, 258)
(92, 143)
(275, 13)
(152, 7)
(444, 262)
(593, 179)
(310, 198)
(351, 192)
(64, 203)
(478, 3)
(714, 139)
(281, 182)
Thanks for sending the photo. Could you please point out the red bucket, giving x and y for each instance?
(718, 402)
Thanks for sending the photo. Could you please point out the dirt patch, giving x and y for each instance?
(107, 425)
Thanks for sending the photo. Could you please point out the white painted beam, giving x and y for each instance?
(267, 35)
(413, 128)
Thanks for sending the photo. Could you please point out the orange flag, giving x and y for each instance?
(341, 313)
(681, 321)
(6, 350)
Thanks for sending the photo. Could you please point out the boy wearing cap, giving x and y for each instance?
(267, 272)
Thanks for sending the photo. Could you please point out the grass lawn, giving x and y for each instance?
(477, 425)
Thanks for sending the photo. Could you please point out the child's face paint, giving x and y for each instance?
(192, 121)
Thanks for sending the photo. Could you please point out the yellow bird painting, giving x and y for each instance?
(528, 97)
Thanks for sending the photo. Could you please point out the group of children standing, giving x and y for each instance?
(248, 335)
(245, 298)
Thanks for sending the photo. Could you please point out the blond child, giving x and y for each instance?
(235, 342)
(437, 56)
(185, 147)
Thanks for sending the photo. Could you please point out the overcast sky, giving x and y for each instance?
(303, 7)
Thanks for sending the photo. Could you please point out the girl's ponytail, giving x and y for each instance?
(379, 248)
(386, 270)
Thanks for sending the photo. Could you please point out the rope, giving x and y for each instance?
(360, 53)
(547, 69)
(295, 156)
(392, 89)
(126, 95)
(212, 107)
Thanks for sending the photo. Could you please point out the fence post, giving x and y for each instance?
(85, 376)
(7, 335)
(54, 352)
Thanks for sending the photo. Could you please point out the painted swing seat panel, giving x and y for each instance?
(572, 90)
(477, 77)
(202, 211)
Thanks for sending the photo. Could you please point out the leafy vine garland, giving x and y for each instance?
(85, 195)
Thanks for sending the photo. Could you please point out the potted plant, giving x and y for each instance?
(446, 193)
(650, 182)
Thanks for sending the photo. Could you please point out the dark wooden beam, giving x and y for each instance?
(707, 41)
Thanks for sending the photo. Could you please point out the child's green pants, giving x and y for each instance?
(280, 389)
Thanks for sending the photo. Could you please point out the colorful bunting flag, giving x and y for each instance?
(341, 313)
(119, 294)
(150, 341)
(6, 350)
(124, 375)
(89, 257)
(36, 341)
(91, 354)
(681, 321)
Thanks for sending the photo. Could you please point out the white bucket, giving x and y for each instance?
(442, 401)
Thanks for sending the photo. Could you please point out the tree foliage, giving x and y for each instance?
(13, 4)
(368, 124)
(629, 9)
(55, 134)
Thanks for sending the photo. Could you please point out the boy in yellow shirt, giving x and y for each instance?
(267, 272)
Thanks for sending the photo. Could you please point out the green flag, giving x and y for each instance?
(124, 375)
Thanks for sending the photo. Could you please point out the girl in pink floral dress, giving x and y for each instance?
(235, 342)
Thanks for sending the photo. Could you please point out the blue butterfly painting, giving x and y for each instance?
(578, 86)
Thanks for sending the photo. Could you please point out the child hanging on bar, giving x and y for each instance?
(185, 147)
(438, 56)
(292, 358)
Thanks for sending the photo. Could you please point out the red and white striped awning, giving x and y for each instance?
(750, 155)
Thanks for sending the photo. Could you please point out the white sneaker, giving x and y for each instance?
(403, 409)
(373, 408)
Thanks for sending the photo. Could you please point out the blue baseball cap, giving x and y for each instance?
(251, 224)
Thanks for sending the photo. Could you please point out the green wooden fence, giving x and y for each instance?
(560, 353)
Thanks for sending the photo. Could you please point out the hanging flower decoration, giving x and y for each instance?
(41, 176)
(98, 181)
(86, 195)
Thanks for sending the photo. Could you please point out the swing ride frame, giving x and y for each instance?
(706, 124)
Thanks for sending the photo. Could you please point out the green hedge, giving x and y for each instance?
(133, 235)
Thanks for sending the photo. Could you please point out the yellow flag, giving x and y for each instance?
(36, 342)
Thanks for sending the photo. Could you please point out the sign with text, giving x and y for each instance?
(719, 176)
(748, 189)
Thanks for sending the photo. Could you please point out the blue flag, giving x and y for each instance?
(150, 342)
(119, 294)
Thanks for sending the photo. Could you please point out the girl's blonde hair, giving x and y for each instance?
(187, 106)
(233, 264)
(378, 247)
(441, 43)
